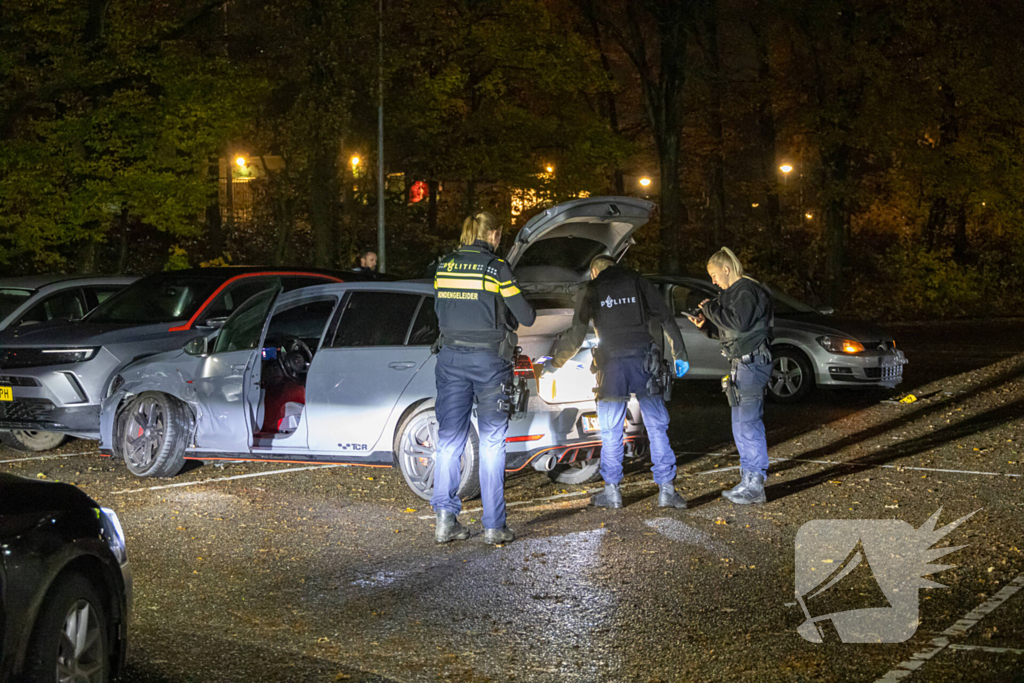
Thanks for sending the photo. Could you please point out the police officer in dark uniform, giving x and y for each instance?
(479, 307)
(628, 315)
(741, 318)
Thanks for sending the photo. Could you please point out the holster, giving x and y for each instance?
(437, 345)
(731, 391)
(660, 381)
(515, 395)
(508, 348)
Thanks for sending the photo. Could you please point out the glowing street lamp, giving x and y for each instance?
(355, 161)
(786, 168)
(240, 161)
(549, 168)
(808, 215)
(645, 181)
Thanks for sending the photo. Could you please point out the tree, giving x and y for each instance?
(111, 111)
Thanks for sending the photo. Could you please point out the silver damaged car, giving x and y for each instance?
(343, 373)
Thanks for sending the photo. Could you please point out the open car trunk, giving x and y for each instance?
(553, 251)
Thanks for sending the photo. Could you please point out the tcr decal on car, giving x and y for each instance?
(354, 446)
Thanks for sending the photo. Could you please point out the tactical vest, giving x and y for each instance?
(736, 344)
(620, 314)
(469, 304)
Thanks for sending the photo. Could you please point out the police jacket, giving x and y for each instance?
(741, 318)
(628, 314)
(478, 300)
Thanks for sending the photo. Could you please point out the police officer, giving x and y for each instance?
(625, 308)
(479, 307)
(741, 318)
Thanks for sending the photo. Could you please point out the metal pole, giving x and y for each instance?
(381, 259)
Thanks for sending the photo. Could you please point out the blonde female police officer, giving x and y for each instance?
(479, 307)
(741, 319)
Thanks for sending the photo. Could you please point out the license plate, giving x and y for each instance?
(6, 394)
(590, 423)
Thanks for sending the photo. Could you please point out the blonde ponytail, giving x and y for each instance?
(725, 258)
(480, 226)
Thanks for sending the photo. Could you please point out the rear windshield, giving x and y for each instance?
(159, 298)
(559, 259)
(10, 299)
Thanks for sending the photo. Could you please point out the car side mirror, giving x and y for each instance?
(826, 310)
(199, 346)
(215, 323)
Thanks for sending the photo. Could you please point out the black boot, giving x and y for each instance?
(668, 497)
(499, 536)
(448, 528)
(609, 498)
(749, 490)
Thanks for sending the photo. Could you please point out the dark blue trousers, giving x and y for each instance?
(463, 375)
(748, 416)
(617, 378)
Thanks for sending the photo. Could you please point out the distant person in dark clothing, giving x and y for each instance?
(367, 262)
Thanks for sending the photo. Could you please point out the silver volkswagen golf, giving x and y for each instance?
(343, 373)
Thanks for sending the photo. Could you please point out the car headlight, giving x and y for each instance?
(115, 384)
(62, 356)
(840, 345)
(113, 534)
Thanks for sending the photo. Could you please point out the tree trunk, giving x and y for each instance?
(471, 206)
(960, 235)
(716, 181)
(87, 258)
(323, 199)
(432, 187)
(609, 104)
(216, 238)
(765, 114)
(836, 171)
(673, 213)
(122, 253)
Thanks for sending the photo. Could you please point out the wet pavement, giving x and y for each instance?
(260, 572)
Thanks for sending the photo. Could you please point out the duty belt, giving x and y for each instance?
(485, 346)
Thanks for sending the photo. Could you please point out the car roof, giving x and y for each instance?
(421, 287)
(39, 281)
(228, 272)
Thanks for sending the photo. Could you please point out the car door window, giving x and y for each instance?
(236, 294)
(65, 305)
(296, 281)
(686, 300)
(95, 295)
(376, 319)
(305, 321)
(425, 329)
(243, 329)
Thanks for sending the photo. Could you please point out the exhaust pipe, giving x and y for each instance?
(546, 462)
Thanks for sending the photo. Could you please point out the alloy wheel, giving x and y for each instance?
(419, 450)
(80, 653)
(144, 433)
(787, 377)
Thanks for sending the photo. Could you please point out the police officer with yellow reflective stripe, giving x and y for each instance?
(479, 307)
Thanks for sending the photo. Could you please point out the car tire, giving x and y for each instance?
(792, 376)
(71, 634)
(415, 450)
(582, 472)
(31, 441)
(152, 434)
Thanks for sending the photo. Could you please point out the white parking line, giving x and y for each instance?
(239, 476)
(45, 457)
(917, 660)
(868, 466)
(984, 648)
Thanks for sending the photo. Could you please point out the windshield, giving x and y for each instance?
(10, 299)
(159, 298)
(786, 304)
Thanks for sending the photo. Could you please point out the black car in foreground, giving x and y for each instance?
(65, 585)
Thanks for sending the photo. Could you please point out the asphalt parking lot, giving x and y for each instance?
(249, 572)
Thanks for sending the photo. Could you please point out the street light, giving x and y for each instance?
(785, 168)
(355, 161)
(549, 168)
(240, 161)
(808, 215)
(645, 181)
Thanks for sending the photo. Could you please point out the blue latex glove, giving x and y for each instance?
(682, 367)
(548, 367)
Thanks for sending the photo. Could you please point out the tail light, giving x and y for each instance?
(524, 366)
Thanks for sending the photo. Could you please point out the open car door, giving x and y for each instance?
(231, 366)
